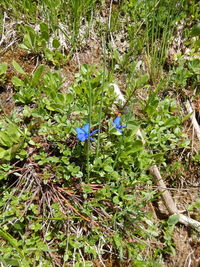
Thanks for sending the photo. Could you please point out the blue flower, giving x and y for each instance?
(117, 125)
(84, 133)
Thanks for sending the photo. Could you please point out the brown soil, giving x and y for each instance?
(187, 252)
(23, 58)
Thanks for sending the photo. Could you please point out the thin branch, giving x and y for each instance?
(74, 209)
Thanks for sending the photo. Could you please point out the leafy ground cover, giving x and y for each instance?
(75, 180)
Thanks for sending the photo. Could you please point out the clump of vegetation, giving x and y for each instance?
(75, 152)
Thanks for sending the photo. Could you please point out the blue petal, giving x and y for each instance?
(121, 126)
(82, 137)
(86, 128)
(119, 130)
(80, 131)
(81, 134)
(116, 121)
(93, 132)
(84, 133)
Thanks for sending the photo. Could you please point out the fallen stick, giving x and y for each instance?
(157, 178)
(166, 196)
(169, 202)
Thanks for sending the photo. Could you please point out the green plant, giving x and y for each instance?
(159, 28)
(15, 261)
(168, 231)
(33, 41)
(185, 75)
(75, 183)
(12, 141)
(62, 164)
(3, 69)
(28, 87)
(163, 128)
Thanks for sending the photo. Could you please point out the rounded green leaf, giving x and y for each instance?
(55, 43)
(195, 30)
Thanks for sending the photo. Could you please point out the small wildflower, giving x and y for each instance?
(84, 133)
(117, 125)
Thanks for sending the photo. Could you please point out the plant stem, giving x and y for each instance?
(89, 119)
(101, 103)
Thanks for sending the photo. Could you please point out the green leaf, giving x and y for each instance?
(18, 225)
(195, 30)
(5, 139)
(27, 112)
(13, 132)
(108, 168)
(30, 38)
(45, 36)
(171, 122)
(32, 143)
(55, 43)
(27, 43)
(12, 241)
(44, 31)
(195, 205)
(37, 75)
(195, 65)
(135, 147)
(174, 219)
(116, 199)
(69, 98)
(3, 153)
(10, 262)
(117, 240)
(44, 27)
(143, 80)
(18, 68)
(133, 127)
(23, 46)
(3, 68)
(17, 82)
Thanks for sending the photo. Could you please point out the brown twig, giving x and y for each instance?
(74, 209)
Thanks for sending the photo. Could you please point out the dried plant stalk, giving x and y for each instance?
(193, 119)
